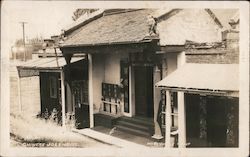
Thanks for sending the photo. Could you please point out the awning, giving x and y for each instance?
(32, 67)
(208, 77)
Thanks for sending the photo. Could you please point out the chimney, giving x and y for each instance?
(231, 38)
(44, 49)
(231, 35)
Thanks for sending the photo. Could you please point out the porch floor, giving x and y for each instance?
(144, 141)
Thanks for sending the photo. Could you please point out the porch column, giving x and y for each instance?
(157, 98)
(168, 120)
(63, 98)
(181, 121)
(91, 104)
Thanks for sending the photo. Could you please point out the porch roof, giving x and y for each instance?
(32, 67)
(207, 77)
(48, 63)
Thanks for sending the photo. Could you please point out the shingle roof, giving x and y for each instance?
(132, 26)
(126, 27)
(223, 77)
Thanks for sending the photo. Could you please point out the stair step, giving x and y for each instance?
(138, 121)
(133, 131)
(133, 125)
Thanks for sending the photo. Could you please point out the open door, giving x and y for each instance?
(144, 91)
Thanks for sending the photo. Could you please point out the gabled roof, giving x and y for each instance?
(83, 20)
(131, 26)
(127, 26)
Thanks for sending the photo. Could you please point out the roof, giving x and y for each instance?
(131, 26)
(128, 26)
(82, 19)
(47, 63)
(215, 77)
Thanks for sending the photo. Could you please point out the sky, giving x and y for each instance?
(44, 18)
(47, 18)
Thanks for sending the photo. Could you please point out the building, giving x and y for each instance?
(50, 73)
(132, 52)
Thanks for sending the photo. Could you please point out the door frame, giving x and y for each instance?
(131, 95)
(132, 105)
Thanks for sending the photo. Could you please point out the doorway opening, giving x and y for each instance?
(144, 105)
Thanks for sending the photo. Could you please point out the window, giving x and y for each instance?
(80, 91)
(174, 110)
(52, 87)
(124, 65)
(174, 113)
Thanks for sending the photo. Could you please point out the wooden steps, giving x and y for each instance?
(135, 125)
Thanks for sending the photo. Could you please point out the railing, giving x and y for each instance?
(110, 108)
(111, 99)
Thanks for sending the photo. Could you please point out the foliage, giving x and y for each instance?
(19, 42)
(29, 131)
(79, 12)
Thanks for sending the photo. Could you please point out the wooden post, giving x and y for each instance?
(91, 104)
(63, 98)
(19, 93)
(157, 97)
(181, 121)
(131, 91)
(168, 120)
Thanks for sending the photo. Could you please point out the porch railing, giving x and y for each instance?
(110, 108)
(111, 99)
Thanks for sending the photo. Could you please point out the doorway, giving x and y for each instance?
(50, 85)
(216, 121)
(144, 91)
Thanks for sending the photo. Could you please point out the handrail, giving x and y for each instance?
(117, 106)
(112, 103)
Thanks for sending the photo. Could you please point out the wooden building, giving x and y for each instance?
(129, 51)
(55, 81)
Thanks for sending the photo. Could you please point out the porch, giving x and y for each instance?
(121, 83)
(207, 109)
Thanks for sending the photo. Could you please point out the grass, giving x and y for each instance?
(33, 132)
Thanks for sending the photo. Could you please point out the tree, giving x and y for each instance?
(79, 12)
(19, 42)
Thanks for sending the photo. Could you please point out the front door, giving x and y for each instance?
(80, 99)
(144, 91)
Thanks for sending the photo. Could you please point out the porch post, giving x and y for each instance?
(63, 98)
(181, 121)
(157, 95)
(91, 105)
(168, 120)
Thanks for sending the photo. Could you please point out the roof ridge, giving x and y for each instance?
(120, 11)
(83, 21)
